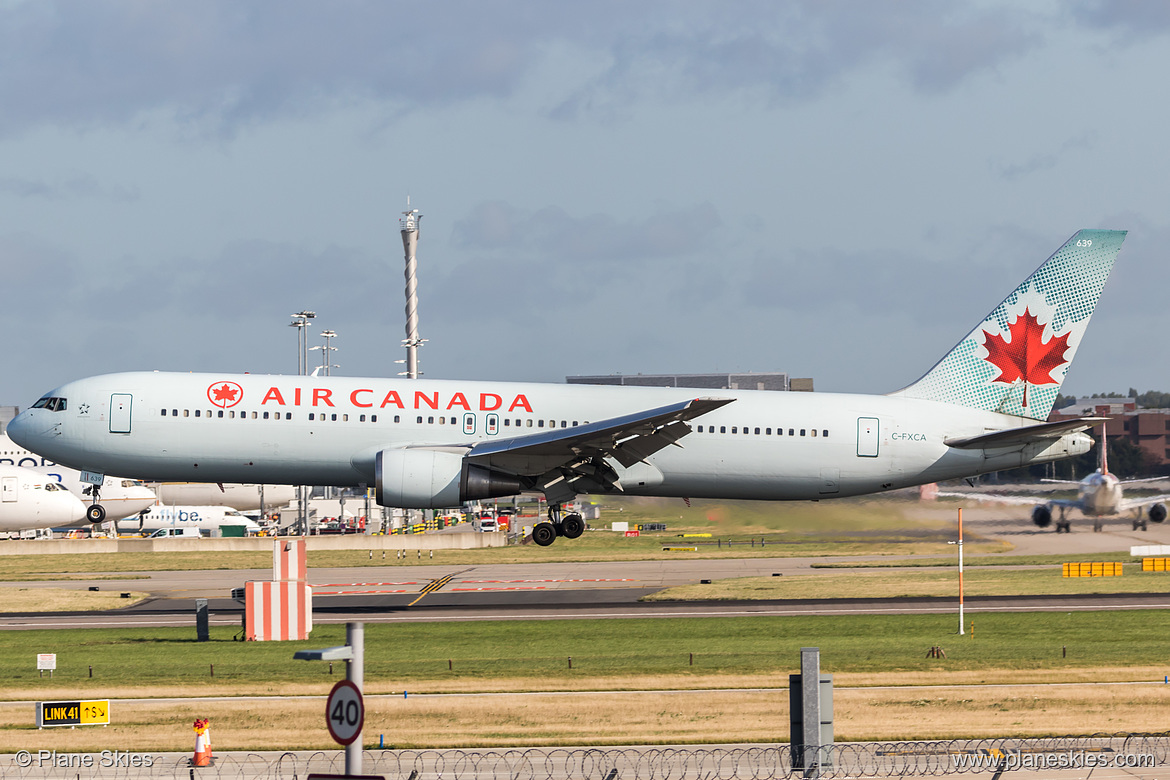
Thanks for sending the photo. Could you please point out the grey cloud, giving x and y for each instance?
(1132, 18)
(1045, 160)
(221, 65)
(796, 51)
(597, 238)
(77, 187)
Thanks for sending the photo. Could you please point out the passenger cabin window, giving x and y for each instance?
(802, 431)
(824, 433)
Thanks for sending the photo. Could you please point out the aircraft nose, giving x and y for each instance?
(19, 429)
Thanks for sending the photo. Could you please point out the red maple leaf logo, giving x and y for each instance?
(225, 394)
(1026, 358)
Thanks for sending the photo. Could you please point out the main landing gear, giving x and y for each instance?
(569, 526)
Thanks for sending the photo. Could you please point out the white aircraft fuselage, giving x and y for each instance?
(436, 444)
(122, 497)
(328, 430)
(29, 500)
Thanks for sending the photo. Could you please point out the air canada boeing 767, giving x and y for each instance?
(432, 443)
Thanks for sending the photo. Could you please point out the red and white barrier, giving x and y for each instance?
(277, 610)
(281, 609)
(289, 560)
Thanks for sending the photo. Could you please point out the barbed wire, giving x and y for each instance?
(760, 762)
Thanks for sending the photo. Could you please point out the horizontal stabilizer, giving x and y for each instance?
(1025, 435)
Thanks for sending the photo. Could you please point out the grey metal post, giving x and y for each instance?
(202, 630)
(810, 675)
(355, 672)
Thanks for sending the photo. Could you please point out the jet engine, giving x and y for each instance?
(437, 478)
(1042, 516)
(1156, 513)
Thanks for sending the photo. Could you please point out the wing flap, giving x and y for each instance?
(628, 439)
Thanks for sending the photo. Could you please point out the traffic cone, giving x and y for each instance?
(207, 739)
(202, 749)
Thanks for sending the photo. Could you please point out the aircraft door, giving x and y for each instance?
(120, 412)
(8, 488)
(491, 424)
(468, 424)
(867, 437)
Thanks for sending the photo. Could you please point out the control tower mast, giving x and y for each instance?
(409, 228)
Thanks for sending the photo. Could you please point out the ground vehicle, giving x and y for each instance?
(179, 533)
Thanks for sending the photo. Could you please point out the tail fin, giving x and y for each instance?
(1103, 460)
(1015, 360)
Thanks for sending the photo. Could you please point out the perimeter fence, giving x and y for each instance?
(843, 760)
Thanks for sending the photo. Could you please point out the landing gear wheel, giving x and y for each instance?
(1097, 526)
(1064, 525)
(573, 526)
(544, 534)
(1143, 525)
(95, 513)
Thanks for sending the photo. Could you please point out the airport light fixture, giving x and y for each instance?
(326, 363)
(300, 321)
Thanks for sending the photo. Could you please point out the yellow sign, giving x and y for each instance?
(73, 713)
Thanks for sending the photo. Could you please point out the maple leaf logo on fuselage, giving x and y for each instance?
(1026, 358)
(225, 394)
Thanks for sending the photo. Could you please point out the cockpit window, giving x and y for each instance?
(42, 403)
(50, 403)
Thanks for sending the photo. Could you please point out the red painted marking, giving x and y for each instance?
(361, 584)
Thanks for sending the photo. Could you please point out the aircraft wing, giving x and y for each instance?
(571, 454)
(1024, 435)
(1137, 503)
(1006, 498)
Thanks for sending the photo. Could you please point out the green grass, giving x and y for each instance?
(985, 581)
(974, 561)
(399, 656)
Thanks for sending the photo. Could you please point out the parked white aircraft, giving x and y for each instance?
(242, 497)
(431, 443)
(30, 500)
(1098, 495)
(120, 497)
(204, 518)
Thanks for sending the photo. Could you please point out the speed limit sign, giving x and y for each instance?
(345, 712)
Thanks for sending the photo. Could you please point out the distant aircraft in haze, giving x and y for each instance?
(438, 444)
(1099, 495)
(29, 500)
(203, 518)
(120, 497)
(241, 497)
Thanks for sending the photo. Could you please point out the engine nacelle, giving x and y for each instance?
(1042, 516)
(436, 479)
(1156, 513)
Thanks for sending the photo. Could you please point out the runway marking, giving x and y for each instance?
(467, 590)
(355, 592)
(360, 584)
(436, 585)
(594, 579)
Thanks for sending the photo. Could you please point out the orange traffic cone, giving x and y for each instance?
(202, 749)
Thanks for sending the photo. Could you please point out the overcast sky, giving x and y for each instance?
(839, 190)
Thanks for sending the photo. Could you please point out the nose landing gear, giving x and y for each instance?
(95, 513)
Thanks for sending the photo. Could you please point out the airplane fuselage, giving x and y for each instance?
(328, 431)
(1099, 495)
